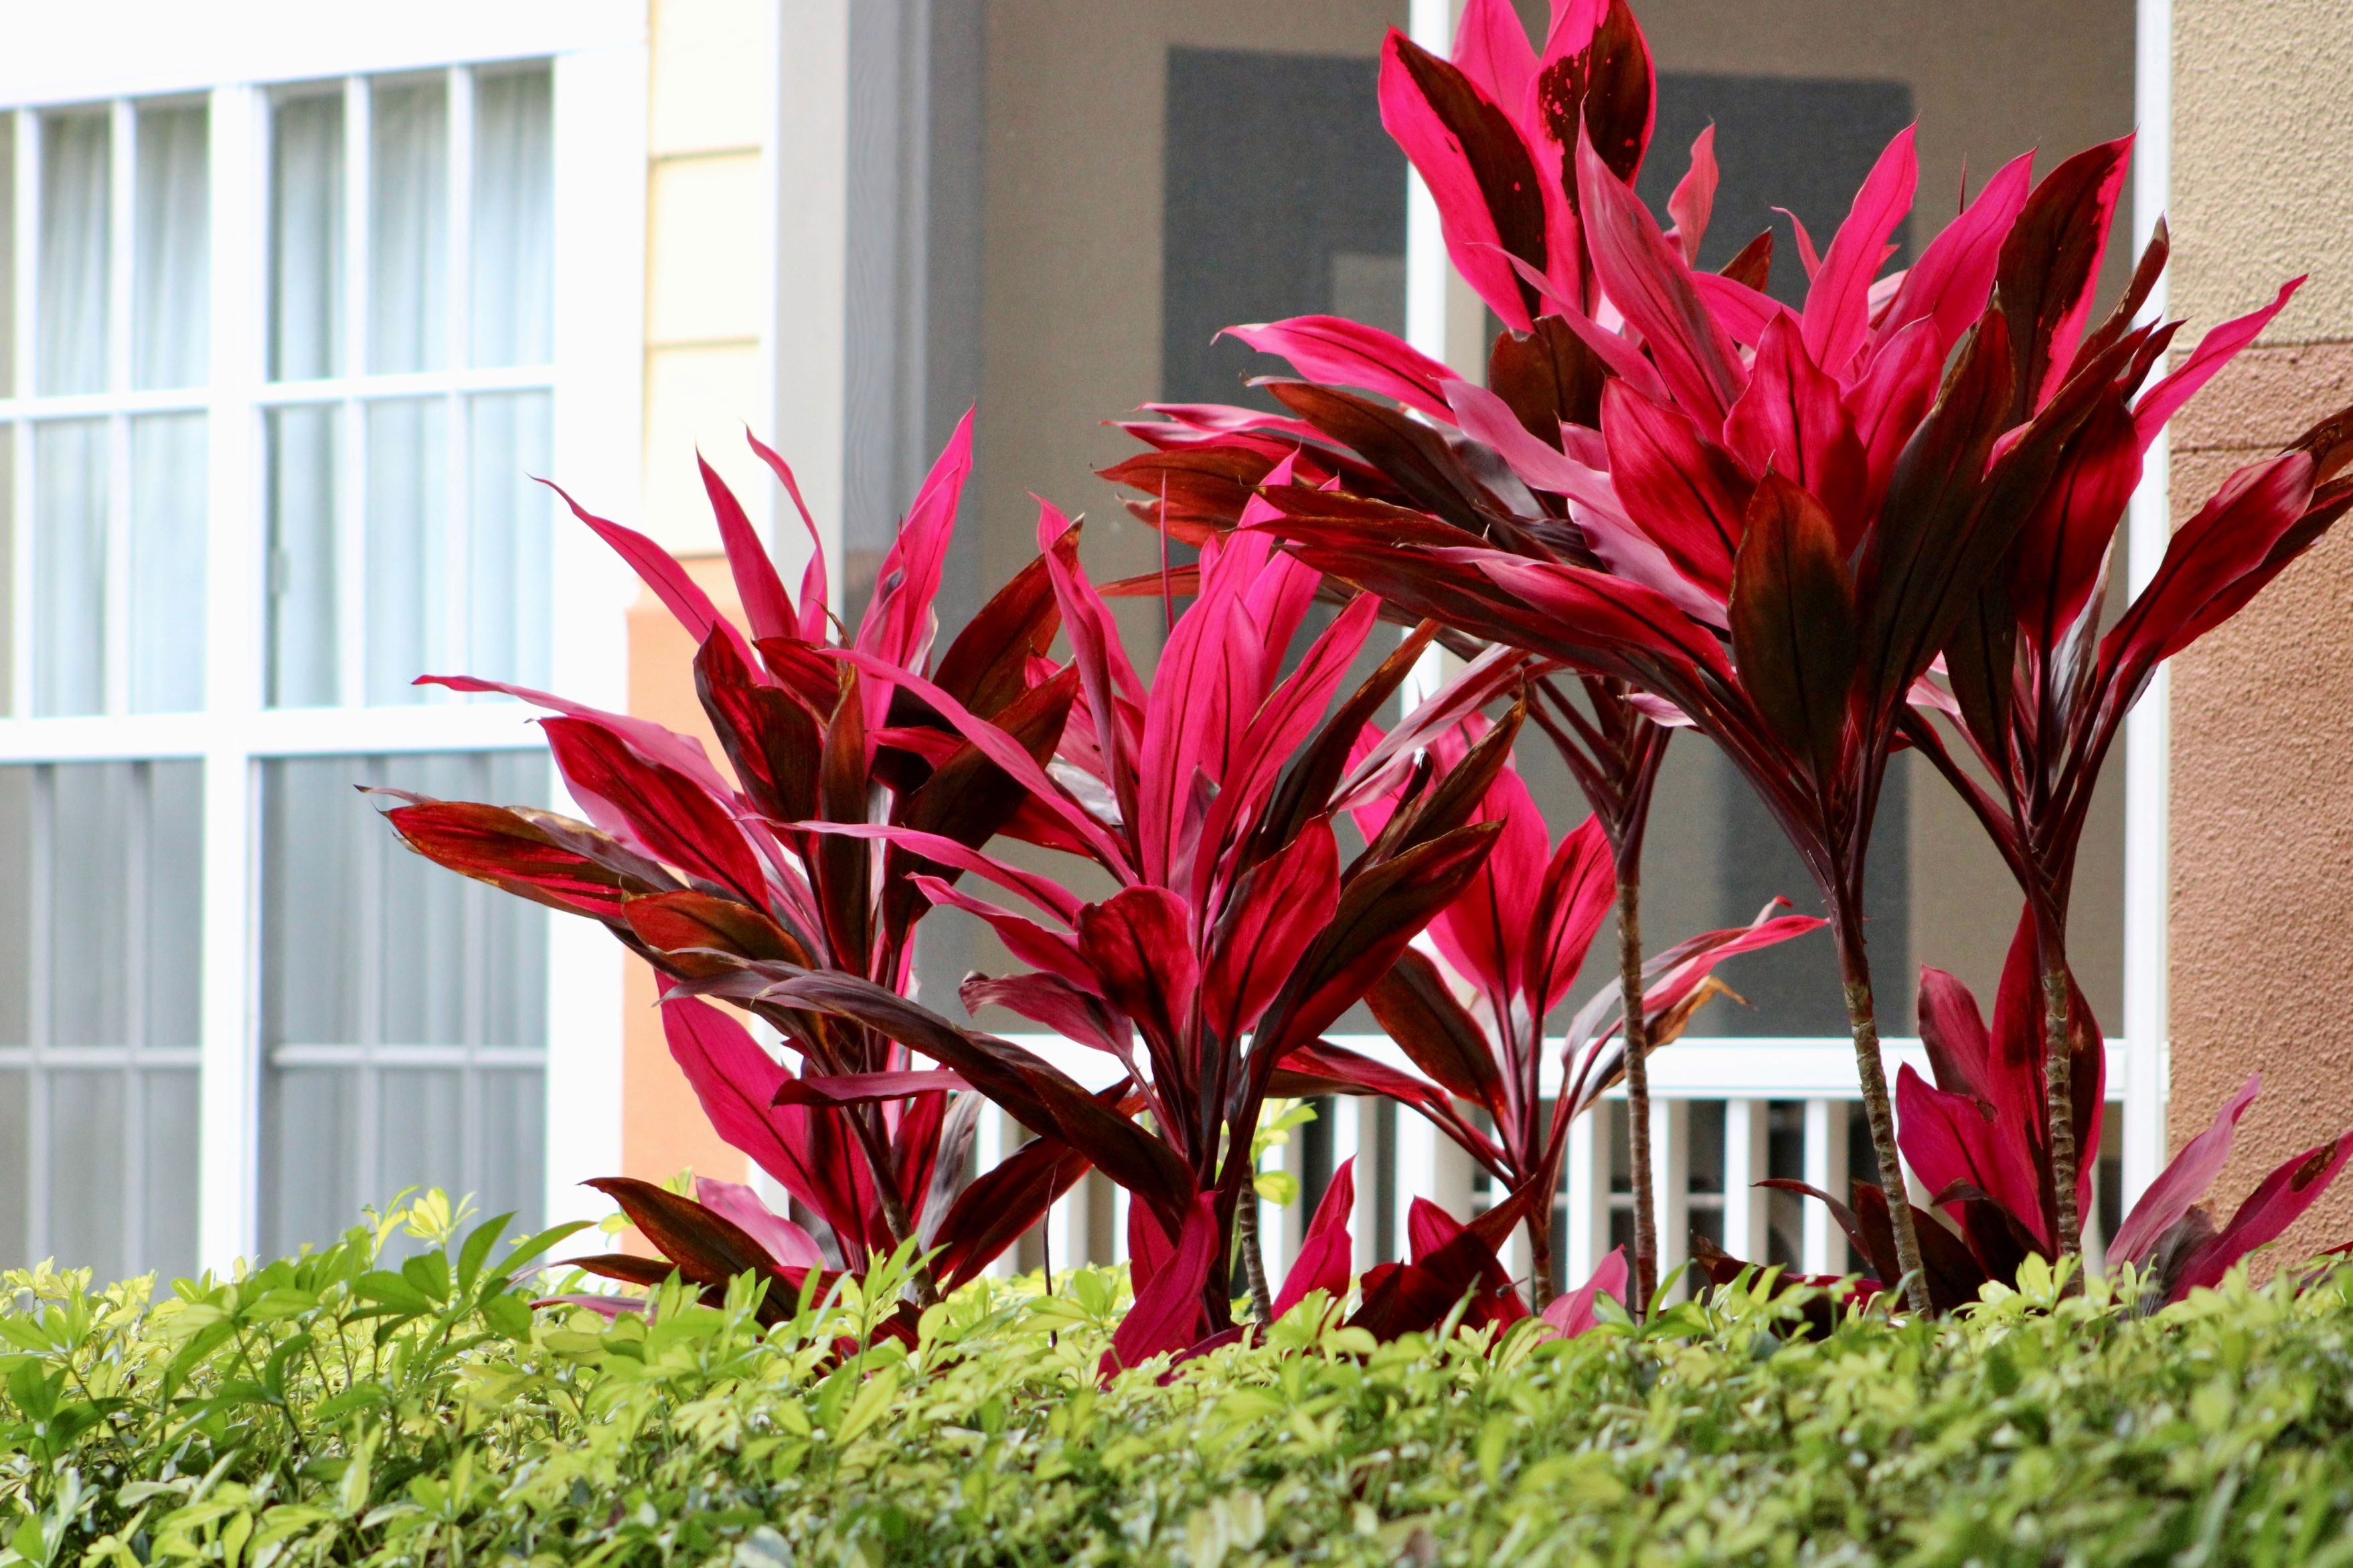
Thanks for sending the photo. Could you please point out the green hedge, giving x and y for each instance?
(339, 1409)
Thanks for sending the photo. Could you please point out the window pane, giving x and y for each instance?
(7, 256)
(87, 1170)
(382, 975)
(8, 560)
(306, 238)
(511, 522)
(174, 903)
(512, 1173)
(95, 834)
(408, 547)
(310, 1135)
(167, 564)
(431, 958)
(422, 1131)
(172, 303)
(69, 499)
(76, 182)
(314, 841)
(514, 223)
(16, 1167)
(409, 209)
(17, 861)
(303, 665)
(168, 1224)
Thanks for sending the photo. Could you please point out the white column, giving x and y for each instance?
(600, 112)
(994, 1137)
(1670, 1183)
(1354, 1137)
(1066, 1228)
(1587, 1160)
(1119, 1206)
(808, 160)
(228, 1220)
(1824, 1244)
(1280, 1224)
(1747, 1144)
(1428, 1165)
(2148, 735)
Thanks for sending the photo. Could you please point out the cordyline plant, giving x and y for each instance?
(1236, 934)
(701, 875)
(2038, 695)
(1517, 463)
(1974, 1139)
(1508, 949)
(1806, 502)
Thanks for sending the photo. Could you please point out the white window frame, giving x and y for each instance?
(141, 49)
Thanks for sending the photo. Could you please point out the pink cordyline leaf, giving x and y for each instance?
(2278, 1202)
(1325, 1255)
(1693, 200)
(1166, 1315)
(1335, 349)
(2184, 1180)
(765, 604)
(1650, 282)
(787, 1243)
(1837, 314)
(1572, 1314)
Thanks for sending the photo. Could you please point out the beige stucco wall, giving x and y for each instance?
(2262, 921)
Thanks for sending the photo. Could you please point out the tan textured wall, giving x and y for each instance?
(2262, 924)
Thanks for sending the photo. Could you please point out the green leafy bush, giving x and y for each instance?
(335, 1408)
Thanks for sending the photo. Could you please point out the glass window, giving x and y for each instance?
(75, 264)
(404, 1009)
(404, 538)
(513, 219)
(117, 552)
(306, 237)
(98, 955)
(171, 280)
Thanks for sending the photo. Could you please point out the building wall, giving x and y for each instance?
(2261, 827)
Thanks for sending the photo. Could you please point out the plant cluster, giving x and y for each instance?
(1813, 536)
(339, 1409)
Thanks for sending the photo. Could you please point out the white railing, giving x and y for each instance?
(1400, 1156)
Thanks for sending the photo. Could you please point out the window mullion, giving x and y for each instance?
(37, 1015)
(351, 447)
(457, 590)
(27, 305)
(123, 148)
(228, 1082)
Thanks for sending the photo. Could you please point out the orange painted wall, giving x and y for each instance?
(663, 1129)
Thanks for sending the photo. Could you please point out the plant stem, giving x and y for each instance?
(894, 1210)
(1636, 1035)
(1253, 1261)
(1854, 969)
(1540, 1257)
(2059, 1085)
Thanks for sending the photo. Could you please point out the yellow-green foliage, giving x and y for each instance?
(338, 1409)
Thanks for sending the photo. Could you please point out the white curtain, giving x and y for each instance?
(306, 238)
(409, 209)
(76, 180)
(170, 267)
(167, 564)
(69, 501)
(509, 519)
(304, 665)
(514, 220)
(409, 591)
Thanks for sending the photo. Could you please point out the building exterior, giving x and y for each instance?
(295, 306)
